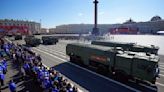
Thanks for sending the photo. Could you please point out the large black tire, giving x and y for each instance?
(102, 69)
(77, 60)
(72, 59)
(121, 76)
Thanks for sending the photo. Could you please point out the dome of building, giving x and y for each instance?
(156, 18)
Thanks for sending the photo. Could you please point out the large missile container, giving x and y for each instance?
(125, 46)
(147, 49)
(129, 46)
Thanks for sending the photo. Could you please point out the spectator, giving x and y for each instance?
(1, 69)
(30, 64)
(23, 73)
(38, 58)
(69, 87)
(47, 84)
(26, 67)
(4, 68)
(14, 57)
(54, 89)
(75, 89)
(4, 62)
(2, 78)
(12, 86)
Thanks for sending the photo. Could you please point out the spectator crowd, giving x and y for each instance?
(30, 66)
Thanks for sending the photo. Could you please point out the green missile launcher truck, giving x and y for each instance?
(49, 40)
(114, 61)
(129, 46)
(18, 37)
(32, 41)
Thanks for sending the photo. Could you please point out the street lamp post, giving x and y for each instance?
(95, 30)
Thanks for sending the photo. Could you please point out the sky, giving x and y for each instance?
(52, 13)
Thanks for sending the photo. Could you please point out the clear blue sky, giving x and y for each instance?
(57, 12)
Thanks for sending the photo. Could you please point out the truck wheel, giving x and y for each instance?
(121, 76)
(102, 69)
(72, 59)
(137, 81)
(153, 81)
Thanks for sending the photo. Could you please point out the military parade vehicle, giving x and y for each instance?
(49, 40)
(129, 46)
(32, 41)
(18, 37)
(29, 36)
(123, 65)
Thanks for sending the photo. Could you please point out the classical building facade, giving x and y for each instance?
(155, 24)
(44, 31)
(152, 26)
(10, 24)
(71, 29)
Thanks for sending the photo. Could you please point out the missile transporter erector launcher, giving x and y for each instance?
(123, 45)
(124, 65)
(49, 40)
(129, 46)
(18, 37)
(32, 41)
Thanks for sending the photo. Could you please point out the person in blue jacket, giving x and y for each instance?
(4, 68)
(1, 69)
(2, 78)
(54, 89)
(12, 86)
(4, 62)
